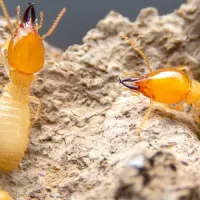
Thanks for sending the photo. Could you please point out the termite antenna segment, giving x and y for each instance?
(137, 48)
(41, 20)
(5, 12)
(17, 15)
(58, 18)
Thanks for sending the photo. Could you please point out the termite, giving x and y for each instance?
(169, 86)
(4, 195)
(26, 55)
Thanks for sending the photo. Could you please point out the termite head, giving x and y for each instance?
(26, 50)
(131, 86)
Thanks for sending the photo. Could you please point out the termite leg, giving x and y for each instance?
(35, 115)
(146, 117)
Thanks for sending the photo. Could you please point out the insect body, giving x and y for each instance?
(168, 86)
(26, 57)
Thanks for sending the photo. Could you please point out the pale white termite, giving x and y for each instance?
(26, 56)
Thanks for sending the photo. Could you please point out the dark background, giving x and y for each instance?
(82, 15)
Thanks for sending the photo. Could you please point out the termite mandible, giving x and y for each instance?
(26, 55)
(170, 85)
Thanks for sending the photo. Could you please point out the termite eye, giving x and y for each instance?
(26, 51)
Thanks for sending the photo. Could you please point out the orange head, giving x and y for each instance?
(26, 51)
(169, 85)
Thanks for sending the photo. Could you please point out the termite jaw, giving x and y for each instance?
(132, 87)
(26, 18)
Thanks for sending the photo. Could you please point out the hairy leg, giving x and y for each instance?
(145, 118)
(35, 113)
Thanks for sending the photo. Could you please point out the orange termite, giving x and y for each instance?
(26, 56)
(170, 85)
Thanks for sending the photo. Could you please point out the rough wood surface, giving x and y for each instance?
(84, 145)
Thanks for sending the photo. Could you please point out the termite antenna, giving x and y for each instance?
(58, 18)
(17, 15)
(137, 48)
(41, 20)
(5, 12)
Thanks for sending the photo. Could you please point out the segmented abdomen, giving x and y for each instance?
(14, 129)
